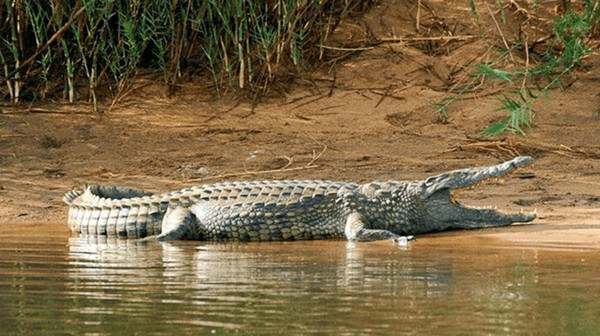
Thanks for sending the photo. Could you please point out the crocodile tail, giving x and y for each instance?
(70, 196)
(114, 192)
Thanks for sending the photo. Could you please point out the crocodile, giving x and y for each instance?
(290, 209)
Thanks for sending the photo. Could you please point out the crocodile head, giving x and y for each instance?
(436, 192)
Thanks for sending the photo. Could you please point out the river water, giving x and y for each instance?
(53, 283)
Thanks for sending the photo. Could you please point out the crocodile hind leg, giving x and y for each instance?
(357, 230)
(177, 223)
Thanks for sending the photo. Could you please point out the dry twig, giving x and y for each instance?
(54, 37)
(524, 83)
(386, 40)
(418, 16)
(310, 165)
(345, 48)
(424, 38)
(501, 33)
(515, 148)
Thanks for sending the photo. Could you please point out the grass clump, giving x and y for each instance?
(520, 115)
(571, 32)
(77, 47)
(569, 46)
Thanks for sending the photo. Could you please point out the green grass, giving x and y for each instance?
(520, 115)
(569, 47)
(236, 43)
(571, 32)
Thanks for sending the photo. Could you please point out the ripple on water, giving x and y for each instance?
(102, 286)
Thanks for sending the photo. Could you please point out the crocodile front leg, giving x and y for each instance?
(177, 223)
(356, 230)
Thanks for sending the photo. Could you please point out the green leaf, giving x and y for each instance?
(488, 71)
(495, 128)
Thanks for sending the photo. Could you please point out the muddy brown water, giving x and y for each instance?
(53, 283)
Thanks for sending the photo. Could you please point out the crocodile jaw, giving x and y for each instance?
(436, 191)
(442, 208)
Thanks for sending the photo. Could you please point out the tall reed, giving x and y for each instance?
(78, 48)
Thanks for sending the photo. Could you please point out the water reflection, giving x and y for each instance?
(326, 284)
(103, 286)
